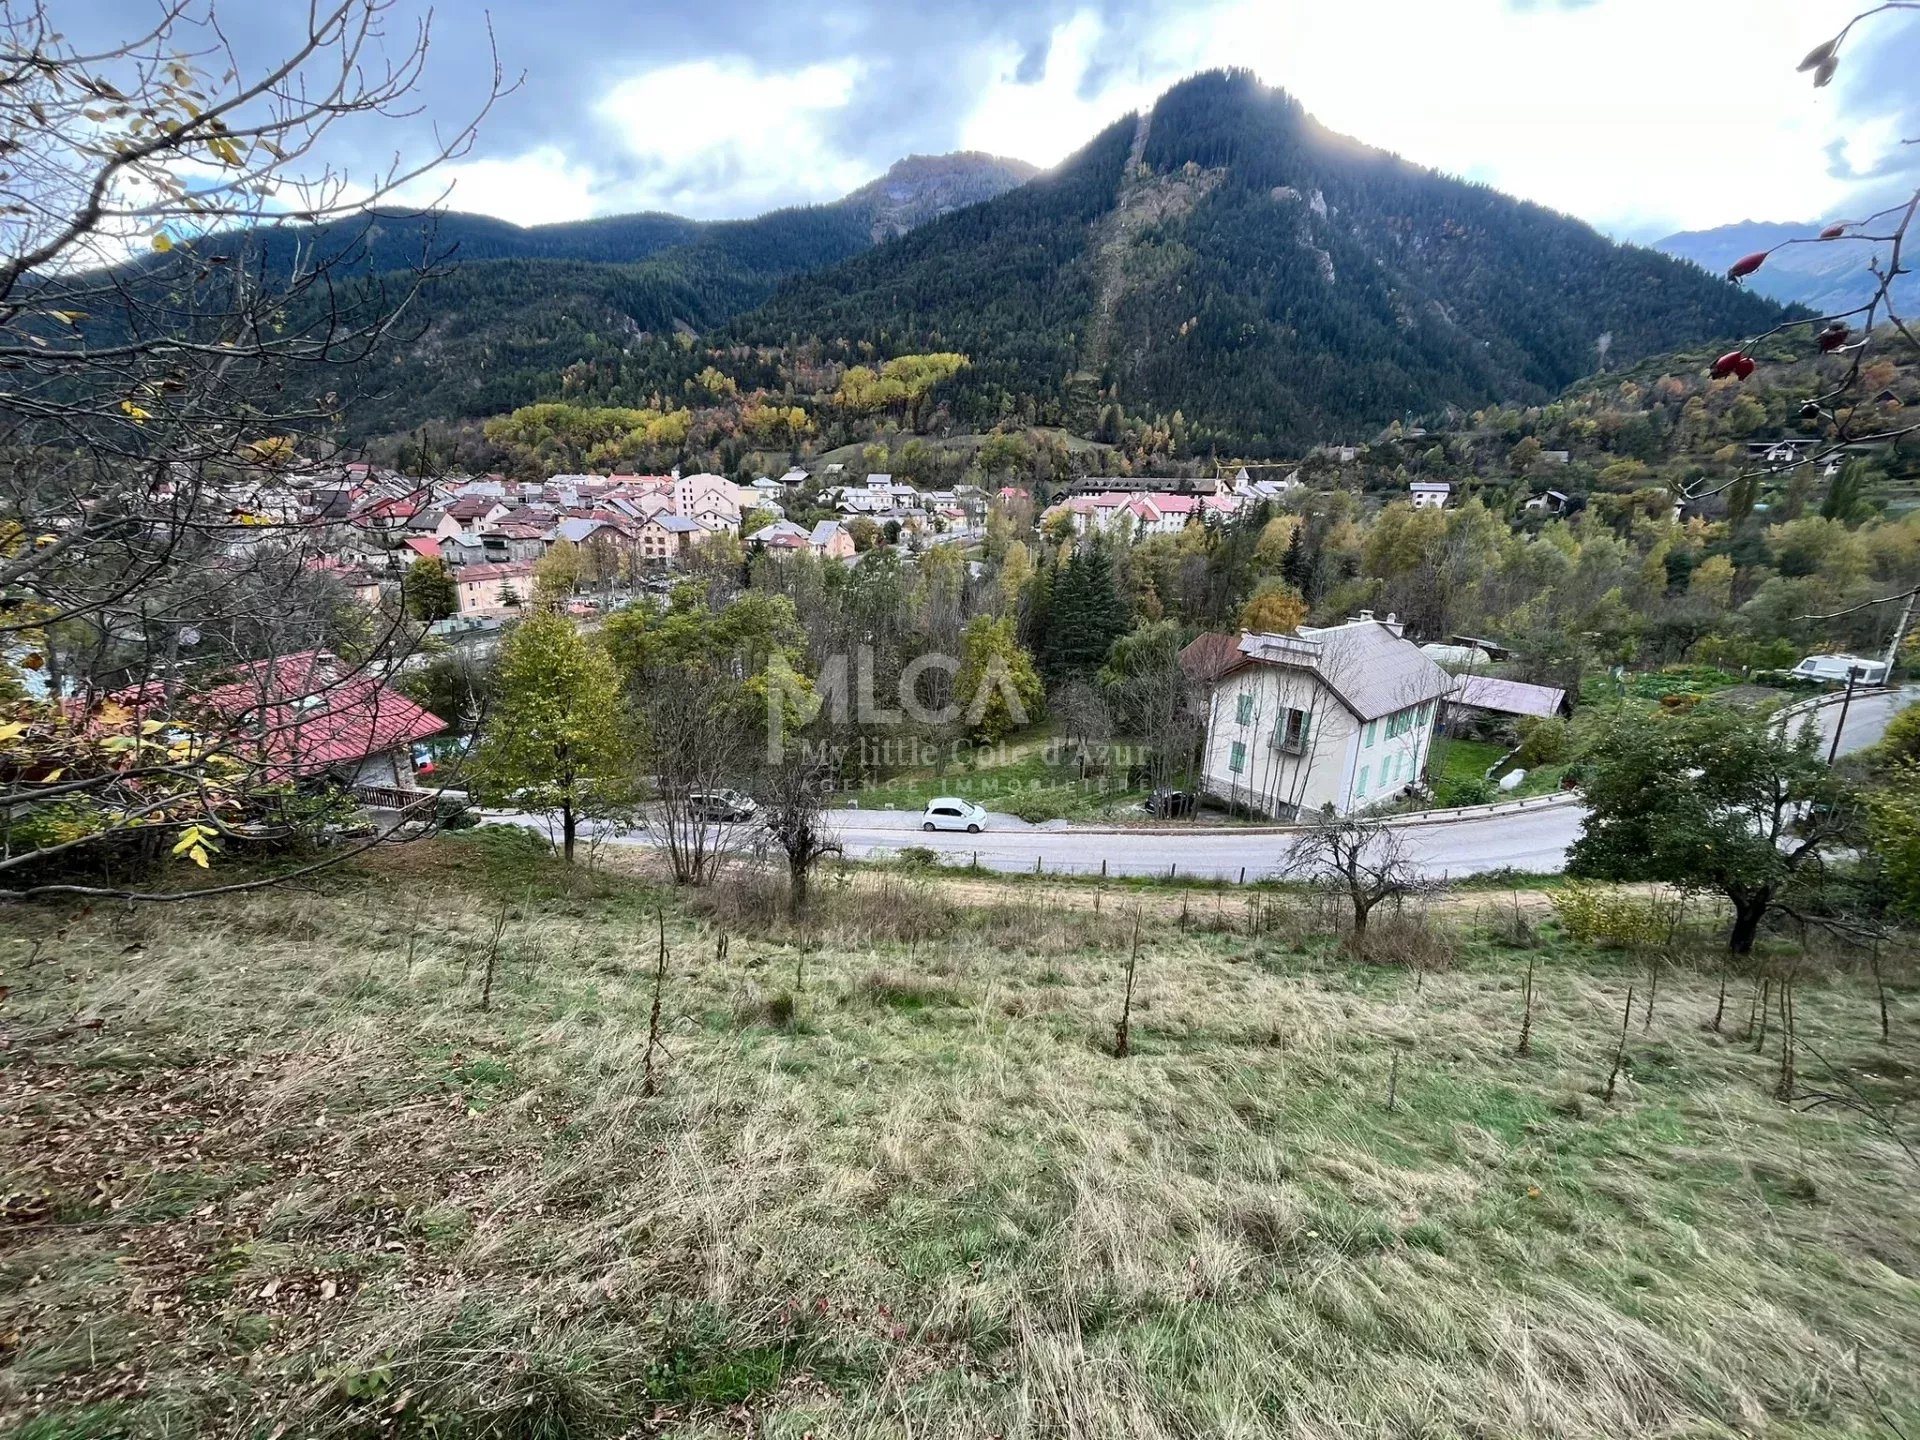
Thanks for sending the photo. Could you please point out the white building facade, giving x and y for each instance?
(1338, 718)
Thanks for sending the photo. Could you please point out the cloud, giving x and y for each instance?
(1639, 115)
(711, 137)
(540, 185)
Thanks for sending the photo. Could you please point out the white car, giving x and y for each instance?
(949, 812)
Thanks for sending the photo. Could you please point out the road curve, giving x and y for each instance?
(1534, 839)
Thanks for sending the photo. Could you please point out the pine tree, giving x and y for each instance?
(1088, 612)
(1296, 565)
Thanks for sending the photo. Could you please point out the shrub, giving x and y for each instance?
(918, 857)
(1471, 791)
(1406, 938)
(1592, 915)
(1542, 741)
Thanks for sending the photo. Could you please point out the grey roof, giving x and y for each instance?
(577, 528)
(780, 529)
(1508, 697)
(679, 524)
(823, 532)
(1373, 671)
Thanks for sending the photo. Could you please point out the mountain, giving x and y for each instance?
(1825, 277)
(1225, 257)
(924, 187)
(519, 304)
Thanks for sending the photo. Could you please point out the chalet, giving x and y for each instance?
(1554, 502)
(1335, 718)
(1429, 494)
(355, 579)
(706, 496)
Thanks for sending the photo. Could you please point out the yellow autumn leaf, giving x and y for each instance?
(162, 243)
(198, 856)
(10, 731)
(140, 417)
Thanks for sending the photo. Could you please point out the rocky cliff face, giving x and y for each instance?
(924, 187)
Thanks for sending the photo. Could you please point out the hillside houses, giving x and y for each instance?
(1124, 508)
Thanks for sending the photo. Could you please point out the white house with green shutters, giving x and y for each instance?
(1336, 716)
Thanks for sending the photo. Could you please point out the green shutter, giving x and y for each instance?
(1361, 788)
(1237, 757)
(1245, 713)
(1370, 725)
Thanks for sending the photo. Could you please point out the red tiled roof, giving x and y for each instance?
(1208, 656)
(299, 716)
(422, 545)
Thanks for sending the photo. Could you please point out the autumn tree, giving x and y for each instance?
(556, 742)
(996, 684)
(1275, 609)
(556, 574)
(165, 350)
(429, 590)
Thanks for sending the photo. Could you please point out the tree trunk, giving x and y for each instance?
(1362, 907)
(569, 823)
(798, 873)
(1747, 914)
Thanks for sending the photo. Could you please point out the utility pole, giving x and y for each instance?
(1892, 656)
(1833, 750)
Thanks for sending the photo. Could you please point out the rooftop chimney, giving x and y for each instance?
(1364, 615)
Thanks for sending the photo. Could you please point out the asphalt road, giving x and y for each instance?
(1531, 839)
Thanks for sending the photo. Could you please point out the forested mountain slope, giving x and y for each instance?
(1228, 258)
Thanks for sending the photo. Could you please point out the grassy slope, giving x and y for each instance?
(299, 1175)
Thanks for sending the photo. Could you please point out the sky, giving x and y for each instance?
(1640, 116)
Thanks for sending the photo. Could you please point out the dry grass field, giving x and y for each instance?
(287, 1164)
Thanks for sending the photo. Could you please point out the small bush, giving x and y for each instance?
(918, 857)
(905, 992)
(1452, 794)
(1593, 916)
(1542, 742)
(1406, 939)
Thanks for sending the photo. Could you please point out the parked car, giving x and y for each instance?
(949, 812)
(726, 806)
(1835, 668)
(1171, 804)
